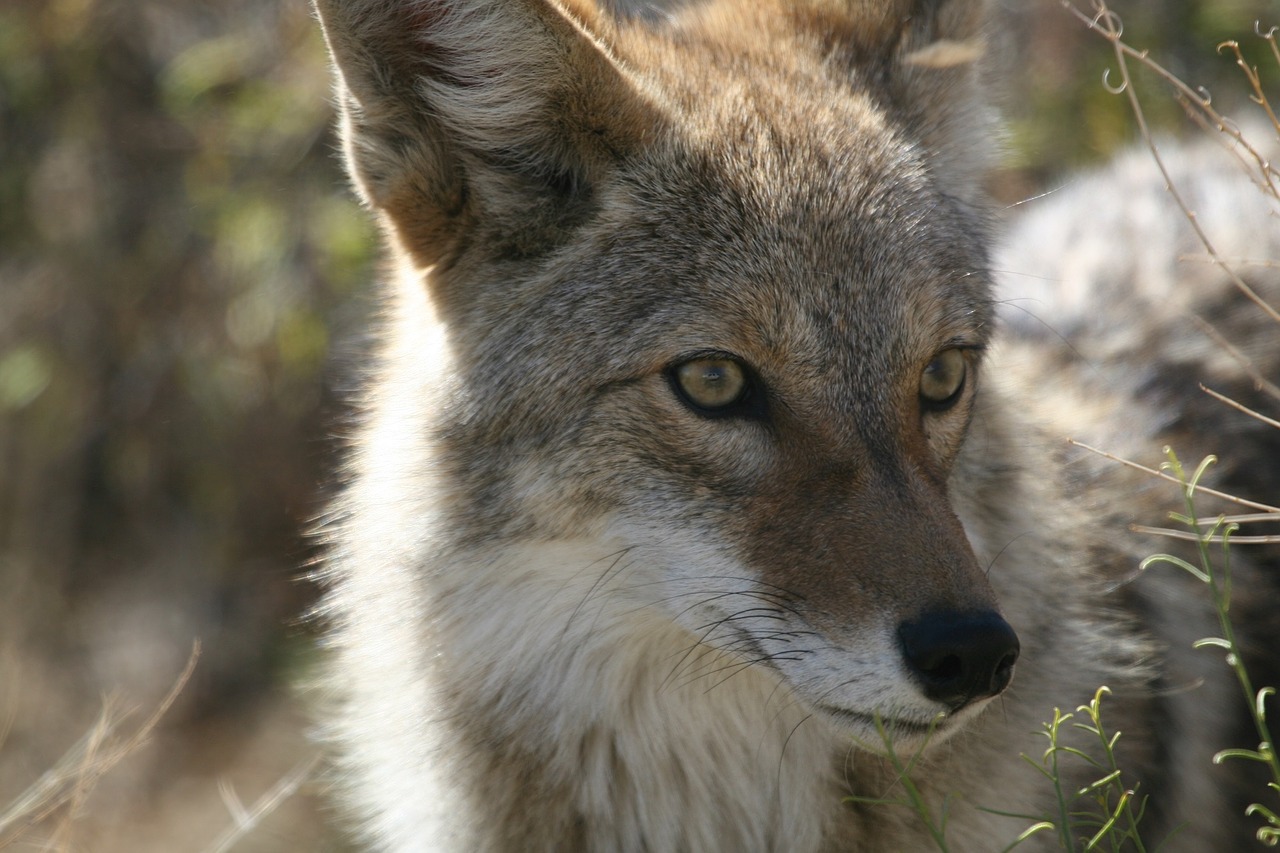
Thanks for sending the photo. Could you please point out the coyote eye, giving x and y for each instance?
(943, 379)
(711, 384)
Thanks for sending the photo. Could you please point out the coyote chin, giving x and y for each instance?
(688, 474)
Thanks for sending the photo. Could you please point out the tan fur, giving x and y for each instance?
(572, 609)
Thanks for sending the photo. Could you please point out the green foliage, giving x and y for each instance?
(1216, 575)
(912, 798)
(1103, 814)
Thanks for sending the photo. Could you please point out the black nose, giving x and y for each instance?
(959, 657)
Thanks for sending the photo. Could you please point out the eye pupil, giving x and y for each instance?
(943, 378)
(711, 383)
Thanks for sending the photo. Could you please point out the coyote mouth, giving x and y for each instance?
(892, 726)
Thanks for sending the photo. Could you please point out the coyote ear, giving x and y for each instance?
(925, 57)
(490, 118)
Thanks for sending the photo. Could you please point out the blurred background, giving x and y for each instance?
(185, 284)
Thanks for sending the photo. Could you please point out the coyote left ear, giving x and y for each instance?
(477, 124)
(937, 81)
(925, 59)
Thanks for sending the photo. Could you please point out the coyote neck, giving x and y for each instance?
(563, 715)
(621, 725)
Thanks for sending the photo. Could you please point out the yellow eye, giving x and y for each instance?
(711, 383)
(943, 379)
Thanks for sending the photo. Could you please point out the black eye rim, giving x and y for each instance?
(969, 365)
(749, 404)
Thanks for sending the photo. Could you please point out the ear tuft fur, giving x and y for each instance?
(945, 53)
(933, 50)
(457, 111)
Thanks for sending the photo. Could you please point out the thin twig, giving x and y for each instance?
(1238, 519)
(245, 820)
(1223, 398)
(1250, 72)
(1239, 262)
(1108, 24)
(1192, 537)
(1163, 476)
(1259, 381)
(70, 780)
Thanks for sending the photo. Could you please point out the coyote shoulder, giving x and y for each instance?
(690, 467)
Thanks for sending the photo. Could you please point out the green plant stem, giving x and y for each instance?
(1220, 587)
(1219, 584)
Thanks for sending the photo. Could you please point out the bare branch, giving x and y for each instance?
(1163, 476)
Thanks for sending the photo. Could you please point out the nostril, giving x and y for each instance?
(1004, 672)
(959, 657)
(948, 668)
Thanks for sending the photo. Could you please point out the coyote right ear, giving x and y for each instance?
(490, 118)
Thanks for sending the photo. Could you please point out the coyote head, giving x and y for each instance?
(713, 289)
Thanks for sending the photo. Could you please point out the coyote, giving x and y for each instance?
(692, 478)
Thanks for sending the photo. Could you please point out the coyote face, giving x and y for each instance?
(738, 327)
(744, 433)
(679, 479)
(710, 383)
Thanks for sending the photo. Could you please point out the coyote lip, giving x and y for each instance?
(892, 725)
